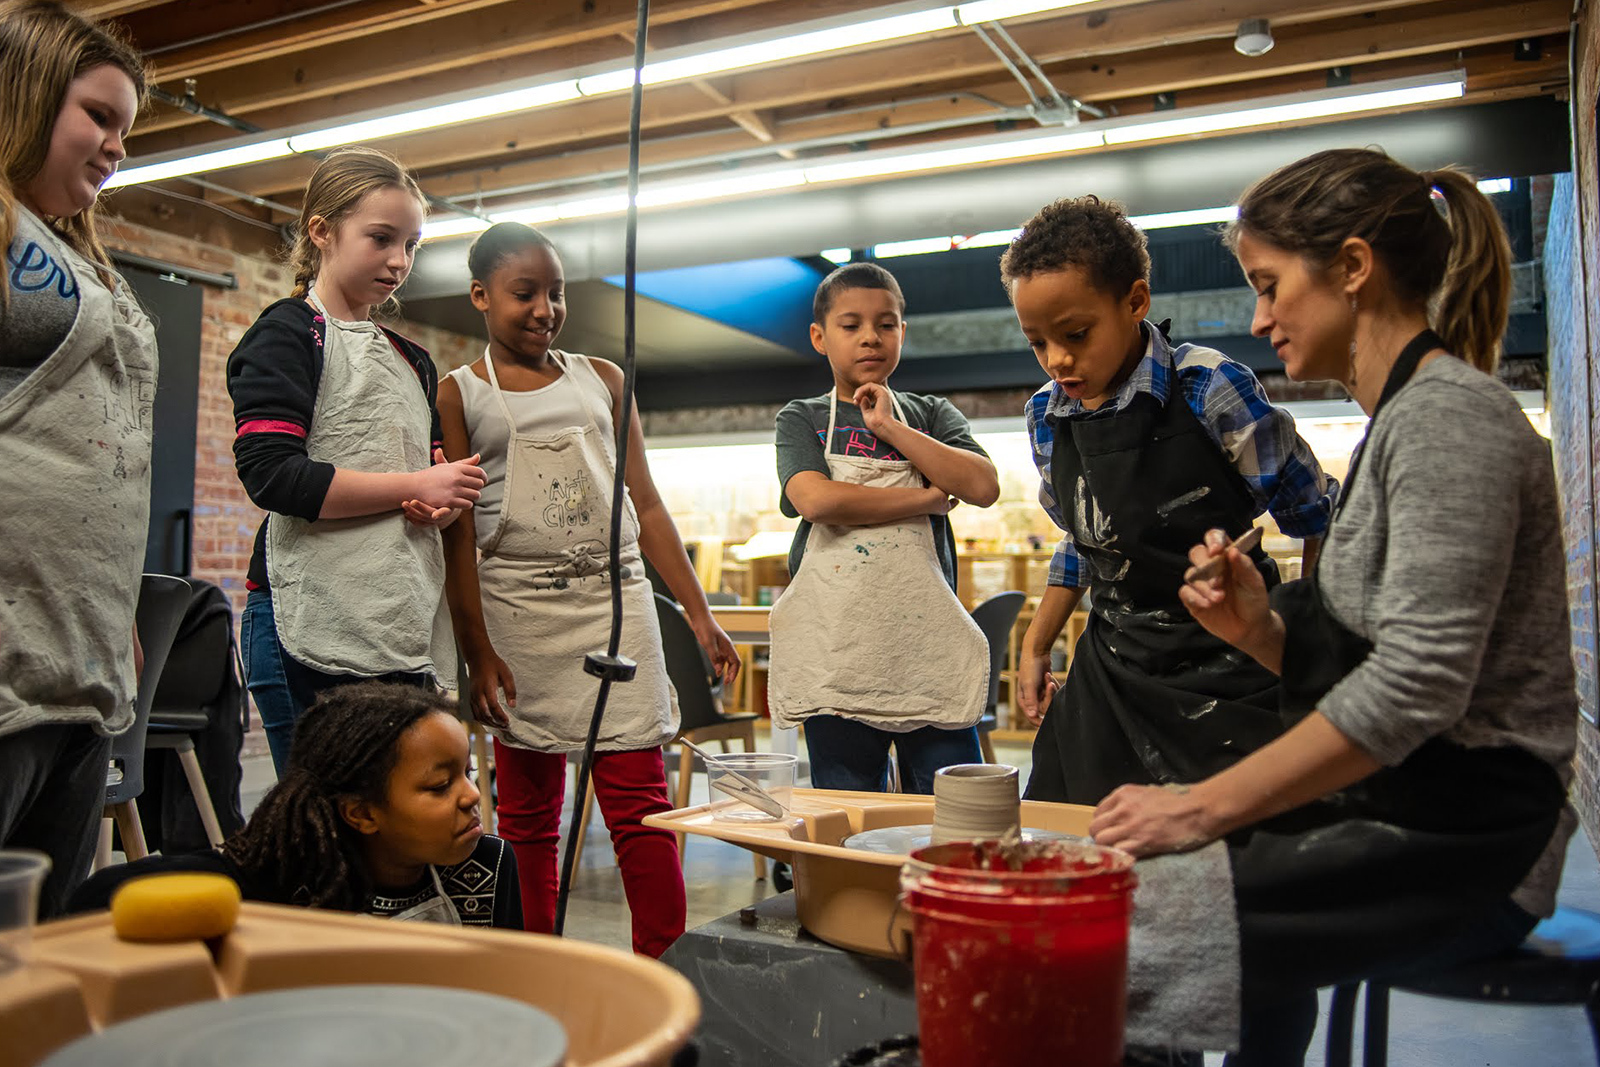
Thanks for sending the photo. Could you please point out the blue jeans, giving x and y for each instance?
(283, 687)
(846, 754)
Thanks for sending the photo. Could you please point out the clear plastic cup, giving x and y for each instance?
(22, 873)
(772, 771)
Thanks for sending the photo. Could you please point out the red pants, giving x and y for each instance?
(629, 786)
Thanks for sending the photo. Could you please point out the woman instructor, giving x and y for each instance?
(1415, 812)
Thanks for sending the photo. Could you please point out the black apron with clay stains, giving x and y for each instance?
(1390, 868)
(1151, 696)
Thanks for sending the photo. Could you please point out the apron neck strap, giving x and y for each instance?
(1405, 367)
(833, 414)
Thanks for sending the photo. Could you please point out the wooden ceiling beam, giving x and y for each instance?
(1488, 75)
(332, 25)
(445, 58)
(411, 41)
(469, 159)
(110, 9)
(605, 118)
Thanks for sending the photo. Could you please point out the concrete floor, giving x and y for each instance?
(1424, 1031)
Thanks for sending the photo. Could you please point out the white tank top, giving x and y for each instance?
(555, 407)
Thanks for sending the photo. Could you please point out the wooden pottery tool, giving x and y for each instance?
(1213, 567)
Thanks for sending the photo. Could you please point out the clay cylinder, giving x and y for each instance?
(975, 802)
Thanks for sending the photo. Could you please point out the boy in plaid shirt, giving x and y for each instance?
(1142, 446)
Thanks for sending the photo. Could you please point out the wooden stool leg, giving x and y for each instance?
(748, 736)
(1341, 1025)
(202, 796)
(481, 754)
(1375, 1042)
(102, 852)
(986, 746)
(685, 780)
(127, 816)
(583, 822)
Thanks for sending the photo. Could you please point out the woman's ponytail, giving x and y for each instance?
(1473, 303)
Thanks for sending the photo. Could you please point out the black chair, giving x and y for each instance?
(1559, 963)
(197, 714)
(162, 602)
(996, 617)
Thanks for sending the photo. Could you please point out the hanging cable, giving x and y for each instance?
(610, 666)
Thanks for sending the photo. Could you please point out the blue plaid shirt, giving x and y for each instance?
(1260, 440)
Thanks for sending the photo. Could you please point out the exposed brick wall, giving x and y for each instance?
(1574, 380)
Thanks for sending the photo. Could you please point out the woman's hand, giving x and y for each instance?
(1149, 820)
(489, 675)
(1234, 605)
(1036, 686)
(719, 649)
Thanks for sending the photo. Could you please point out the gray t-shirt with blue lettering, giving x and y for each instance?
(41, 302)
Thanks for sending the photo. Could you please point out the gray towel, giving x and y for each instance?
(1183, 953)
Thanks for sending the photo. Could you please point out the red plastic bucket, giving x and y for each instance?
(1021, 954)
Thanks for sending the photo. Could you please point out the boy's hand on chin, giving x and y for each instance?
(877, 410)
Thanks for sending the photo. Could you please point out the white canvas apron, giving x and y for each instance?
(869, 629)
(362, 596)
(438, 908)
(546, 587)
(75, 459)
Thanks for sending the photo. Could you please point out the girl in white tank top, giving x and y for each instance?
(529, 585)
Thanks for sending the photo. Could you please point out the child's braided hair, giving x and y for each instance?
(345, 745)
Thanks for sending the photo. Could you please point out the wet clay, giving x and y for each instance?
(975, 802)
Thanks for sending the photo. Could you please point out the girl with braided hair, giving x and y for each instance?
(374, 814)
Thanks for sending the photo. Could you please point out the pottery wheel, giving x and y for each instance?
(904, 840)
(332, 1026)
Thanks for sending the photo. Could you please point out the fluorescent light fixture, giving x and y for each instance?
(776, 50)
(889, 162)
(995, 10)
(257, 152)
(432, 230)
(429, 118)
(1197, 217)
(967, 155)
(835, 255)
(714, 188)
(988, 239)
(993, 238)
(921, 246)
(1303, 109)
(1490, 186)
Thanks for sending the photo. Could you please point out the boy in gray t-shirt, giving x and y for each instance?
(870, 645)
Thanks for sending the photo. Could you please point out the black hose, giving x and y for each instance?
(611, 667)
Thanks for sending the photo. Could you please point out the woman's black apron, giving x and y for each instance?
(1392, 867)
(1151, 697)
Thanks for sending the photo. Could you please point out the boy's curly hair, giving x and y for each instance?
(1085, 232)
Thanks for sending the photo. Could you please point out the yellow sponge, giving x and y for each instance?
(175, 907)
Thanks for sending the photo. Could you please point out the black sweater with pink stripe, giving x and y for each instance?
(273, 376)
